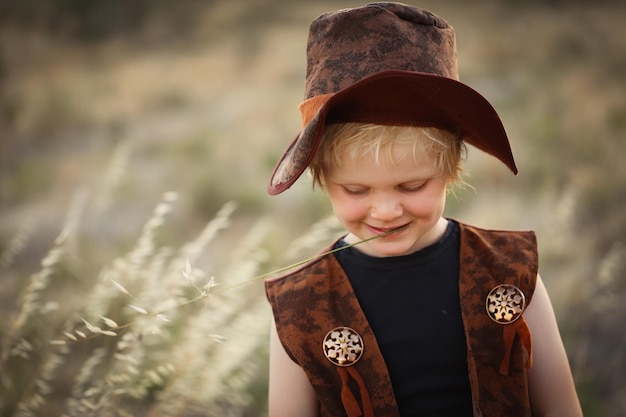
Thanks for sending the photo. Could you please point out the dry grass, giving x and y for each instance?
(147, 333)
(95, 133)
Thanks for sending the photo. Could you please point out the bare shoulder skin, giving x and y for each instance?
(551, 385)
(290, 393)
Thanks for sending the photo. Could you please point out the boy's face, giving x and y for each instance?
(370, 198)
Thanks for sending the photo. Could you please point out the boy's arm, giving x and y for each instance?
(551, 386)
(290, 392)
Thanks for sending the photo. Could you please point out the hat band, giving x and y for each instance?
(308, 108)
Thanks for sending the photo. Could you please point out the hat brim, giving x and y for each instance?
(403, 98)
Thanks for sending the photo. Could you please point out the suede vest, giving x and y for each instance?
(318, 297)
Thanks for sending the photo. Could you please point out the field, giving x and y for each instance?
(135, 146)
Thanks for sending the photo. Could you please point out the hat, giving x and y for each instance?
(388, 64)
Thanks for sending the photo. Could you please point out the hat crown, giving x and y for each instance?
(387, 64)
(348, 45)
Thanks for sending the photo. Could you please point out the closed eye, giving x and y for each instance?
(411, 188)
(355, 190)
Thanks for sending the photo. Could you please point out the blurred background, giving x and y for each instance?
(136, 140)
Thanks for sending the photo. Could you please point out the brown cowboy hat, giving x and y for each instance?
(388, 64)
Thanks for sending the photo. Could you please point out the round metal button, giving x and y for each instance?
(505, 304)
(343, 346)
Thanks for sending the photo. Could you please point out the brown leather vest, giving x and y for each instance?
(318, 297)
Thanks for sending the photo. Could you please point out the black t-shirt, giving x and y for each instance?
(412, 304)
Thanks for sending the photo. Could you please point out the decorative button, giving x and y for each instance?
(505, 304)
(343, 346)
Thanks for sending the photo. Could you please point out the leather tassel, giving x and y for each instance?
(524, 334)
(350, 403)
(366, 400)
(519, 327)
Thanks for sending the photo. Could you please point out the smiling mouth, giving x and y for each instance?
(388, 231)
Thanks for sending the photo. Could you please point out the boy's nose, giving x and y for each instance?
(386, 209)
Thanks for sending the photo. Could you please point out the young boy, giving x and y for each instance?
(412, 314)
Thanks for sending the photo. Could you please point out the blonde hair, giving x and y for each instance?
(355, 140)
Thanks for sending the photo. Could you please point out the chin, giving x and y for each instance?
(388, 250)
